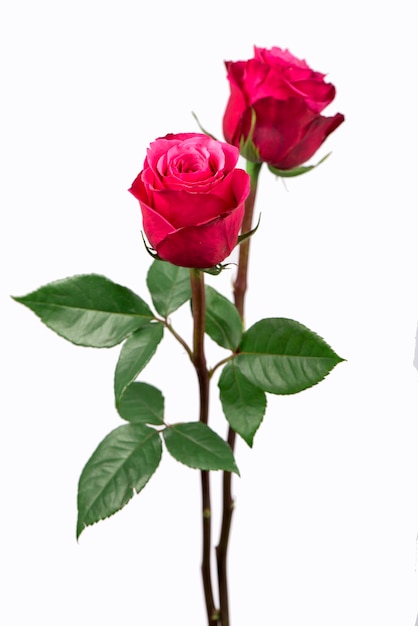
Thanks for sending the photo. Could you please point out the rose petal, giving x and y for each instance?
(181, 208)
(315, 135)
(279, 126)
(317, 95)
(237, 102)
(203, 246)
(155, 226)
(195, 163)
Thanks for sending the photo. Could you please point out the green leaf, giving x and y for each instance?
(281, 356)
(222, 323)
(169, 286)
(243, 404)
(89, 310)
(296, 171)
(142, 404)
(136, 352)
(196, 445)
(121, 465)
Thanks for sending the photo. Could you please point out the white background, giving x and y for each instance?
(326, 520)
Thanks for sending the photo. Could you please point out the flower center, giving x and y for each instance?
(191, 162)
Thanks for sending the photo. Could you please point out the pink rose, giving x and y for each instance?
(192, 199)
(275, 102)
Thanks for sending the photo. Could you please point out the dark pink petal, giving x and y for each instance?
(233, 189)
(317, 94)
(137, 188)
(195, 153)
(155, 226)
(180, 136)
(272, 83)
(195, 162)
(235, 107)
(240, 186)
(181, 208)
(236, 72)
(203, 246)
(151, 178)
(284, 58)
(258, 80)
(231, 157)
(195, 182)
(254, 79)
(315, 135)
(280, 124)
(158, 149)
(278, 55)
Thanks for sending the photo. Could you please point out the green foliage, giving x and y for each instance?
(222, 323)
(169, 286)
(121, 465)
(275, 355)
(282, 356)
(198, 446)
(142, 404)
(136, 352)
(89, 310)
(243, 404)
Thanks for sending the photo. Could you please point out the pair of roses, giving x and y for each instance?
(190, 192)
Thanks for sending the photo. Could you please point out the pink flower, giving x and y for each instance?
(192, 199)
(273, 113)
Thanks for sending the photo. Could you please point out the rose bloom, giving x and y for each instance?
(192, 199)
(279, 98)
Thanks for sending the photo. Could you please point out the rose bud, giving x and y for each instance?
(273, 112)
(192, 199)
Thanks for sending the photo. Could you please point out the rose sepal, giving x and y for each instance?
(206, 132)
(247, 147)
(216, 269)
(151, 250)
(250, 233)
(296, 171)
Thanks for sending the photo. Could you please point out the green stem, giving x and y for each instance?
(220, 363)
(178, 337)
(199, 362)
(241, 280)
(240, 289)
